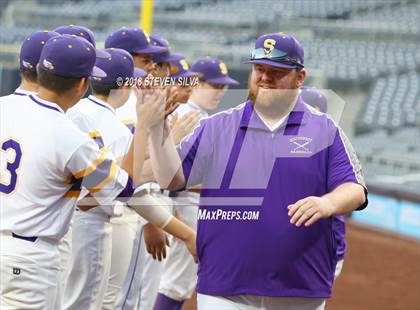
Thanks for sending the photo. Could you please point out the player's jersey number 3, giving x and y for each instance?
(10, 157)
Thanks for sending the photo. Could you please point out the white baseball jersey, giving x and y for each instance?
(22, 92)
(98, 119)
(188, 107)
(17, 93)
(127, 113)
(44, 161)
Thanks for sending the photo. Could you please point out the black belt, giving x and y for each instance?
(169, 193)
(31, 239)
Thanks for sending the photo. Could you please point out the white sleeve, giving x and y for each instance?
(97, 171)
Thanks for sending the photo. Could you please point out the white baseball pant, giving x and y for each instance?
(127, 232)
(152, 269)
(29, 273)
(179, 276)
(90, 261)
(133, 284)
(65, 258)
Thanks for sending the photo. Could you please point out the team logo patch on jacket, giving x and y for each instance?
(301, 145)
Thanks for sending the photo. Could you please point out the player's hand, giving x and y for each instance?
(171, 104)
(184, 125)
(309, 210)
(150, 106)
(190, 243)
(156, 241)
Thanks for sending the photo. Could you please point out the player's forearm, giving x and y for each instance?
(346, 198)
(133, 161)
(147, 173)
(127, 161)
(165, 160)
(179, 230)
(141, 138)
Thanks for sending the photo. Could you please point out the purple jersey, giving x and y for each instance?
(244, 167)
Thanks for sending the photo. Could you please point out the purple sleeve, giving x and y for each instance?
(194, 150)
(343, 164)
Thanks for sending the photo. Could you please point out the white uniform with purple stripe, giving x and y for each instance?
(179, 275)
(22, 92)
(135, 275)
(90, 262)
(45, 159)
(17, 93)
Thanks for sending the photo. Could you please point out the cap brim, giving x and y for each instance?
(270, 63)
(151, 50)
(222, 80)
(102, 54)
(97, 72)
(139, 73)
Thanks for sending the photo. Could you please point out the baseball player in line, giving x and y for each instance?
(95, 115)
(127, 263)
(154, 244)
(179, 275)
(30, 51)
(46, 160)
(184, 78)
(274, 172)
(66, 243)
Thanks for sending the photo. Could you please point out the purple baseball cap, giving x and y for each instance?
(280, 50)
(181, 69)
(70, 56)
(133, 40)
(83, 32)
(213, 71)
(166, 56)
(119, 65)
(314, 98)
(32, 47)
(80, 31)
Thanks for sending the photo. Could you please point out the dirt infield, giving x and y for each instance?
(381, 271)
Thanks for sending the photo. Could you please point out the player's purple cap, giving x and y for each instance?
(278, 50)
(213, 71)
(181, 69)
(32, 47)
(119, 65)
(314, 98)
(133, 40)
(80, 31)
(70, 56)
(83, 32)
(165, 56)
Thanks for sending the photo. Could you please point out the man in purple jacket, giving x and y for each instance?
(275, 175)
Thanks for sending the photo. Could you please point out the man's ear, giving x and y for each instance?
(301, 75)
(82, 85)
